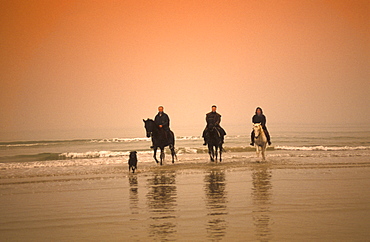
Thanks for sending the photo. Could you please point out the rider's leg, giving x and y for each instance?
(205, 136)
(267, 135)
(252, 138)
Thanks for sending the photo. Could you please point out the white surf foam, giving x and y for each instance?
(321, 148)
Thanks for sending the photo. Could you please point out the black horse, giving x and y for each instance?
(160, 139)
(215, 141)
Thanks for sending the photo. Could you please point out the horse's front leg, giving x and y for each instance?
(263, 152)
(211, 152)
(155, 154)
(162, 155)
(216, 153)
(258, 151)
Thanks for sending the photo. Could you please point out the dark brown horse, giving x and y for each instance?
(215, 141)
(160, 139)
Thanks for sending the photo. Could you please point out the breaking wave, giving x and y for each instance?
(179, 150)
(321, 148)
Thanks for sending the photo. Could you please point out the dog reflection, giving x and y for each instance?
(134, 196)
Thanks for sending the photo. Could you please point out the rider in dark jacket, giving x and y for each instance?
(260, 118)
(162, 119)
(163, 122)
(213, 119)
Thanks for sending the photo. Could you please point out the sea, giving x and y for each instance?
(313, 186)
(289, 140)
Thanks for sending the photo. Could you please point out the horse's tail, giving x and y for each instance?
(173, 138)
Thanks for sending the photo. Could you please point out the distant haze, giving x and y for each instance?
(74, 65)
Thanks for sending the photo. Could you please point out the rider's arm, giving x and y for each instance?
(263, 121)
(218, 120)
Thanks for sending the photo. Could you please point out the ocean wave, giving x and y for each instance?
(179, 150)
(67, 155)
(26, 145)
(30, 157)
(188, 138)
(118, 140)
(20, 144)
(321, 148)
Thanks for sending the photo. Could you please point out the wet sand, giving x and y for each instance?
(235, 201)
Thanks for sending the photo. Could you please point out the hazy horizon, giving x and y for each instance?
(83, 65)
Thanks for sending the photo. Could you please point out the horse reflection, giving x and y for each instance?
(215, 190)
(162, 203)
(261, 195)
(134, 196)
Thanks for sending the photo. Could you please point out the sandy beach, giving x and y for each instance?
(237, 200)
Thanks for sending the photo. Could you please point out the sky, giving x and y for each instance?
(78, 65)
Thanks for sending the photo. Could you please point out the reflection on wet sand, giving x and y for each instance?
(216, 203)
(134, 196)
(161, 197)
(261, 195)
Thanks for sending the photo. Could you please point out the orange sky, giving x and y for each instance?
(101, 64)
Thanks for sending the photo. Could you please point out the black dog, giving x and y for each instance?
(132, 162)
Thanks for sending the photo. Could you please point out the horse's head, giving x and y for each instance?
(257, 128)
(149, 126)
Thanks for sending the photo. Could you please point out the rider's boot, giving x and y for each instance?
(267, 136)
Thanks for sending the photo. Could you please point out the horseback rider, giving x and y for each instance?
(213, 119)
(260, 118)
(163, 122)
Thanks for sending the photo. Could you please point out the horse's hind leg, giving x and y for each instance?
(220, 152)
(173, 153)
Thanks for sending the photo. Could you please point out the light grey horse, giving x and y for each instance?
(260, 140)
